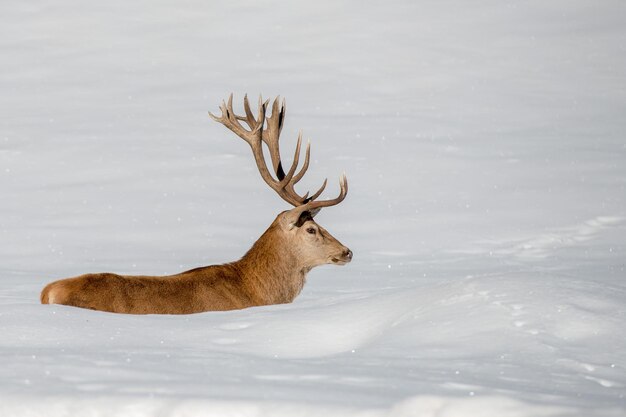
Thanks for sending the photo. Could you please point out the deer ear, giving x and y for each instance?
(304, 217)
(315, 211)
(296, 218)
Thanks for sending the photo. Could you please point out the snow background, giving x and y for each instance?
(485, 149)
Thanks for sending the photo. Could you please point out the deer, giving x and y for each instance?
(272, 271)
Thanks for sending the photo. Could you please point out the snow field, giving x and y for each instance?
(484, 146)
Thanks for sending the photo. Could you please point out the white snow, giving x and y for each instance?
(485, 147)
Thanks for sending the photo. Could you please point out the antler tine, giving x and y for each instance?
(261, 116)
(319, 192)
(229, 119)
(235, 117)
(305, 166)
(283, 111)
(272, 135)
(230, 103)
(296, 159)
(258, 130)
(249, 116)
(317, 205)
(296, 178)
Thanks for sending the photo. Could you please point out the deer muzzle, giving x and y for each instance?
(343, 258)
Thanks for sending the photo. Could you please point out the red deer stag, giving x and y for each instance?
(273, 271)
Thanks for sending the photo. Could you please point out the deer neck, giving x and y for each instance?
(271, 270)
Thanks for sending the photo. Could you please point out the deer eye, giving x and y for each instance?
(310, 230)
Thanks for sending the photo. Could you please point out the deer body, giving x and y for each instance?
(273, 271)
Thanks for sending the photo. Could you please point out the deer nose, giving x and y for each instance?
(347, 254)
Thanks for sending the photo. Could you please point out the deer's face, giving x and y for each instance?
(312, 243)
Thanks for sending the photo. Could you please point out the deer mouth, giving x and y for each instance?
(342, 259)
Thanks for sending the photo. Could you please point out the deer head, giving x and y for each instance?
(296, 229)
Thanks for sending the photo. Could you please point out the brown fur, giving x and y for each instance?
(273, 271)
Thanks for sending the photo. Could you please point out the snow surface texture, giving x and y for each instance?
(485, 147)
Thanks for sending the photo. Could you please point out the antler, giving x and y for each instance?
(270, 135)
